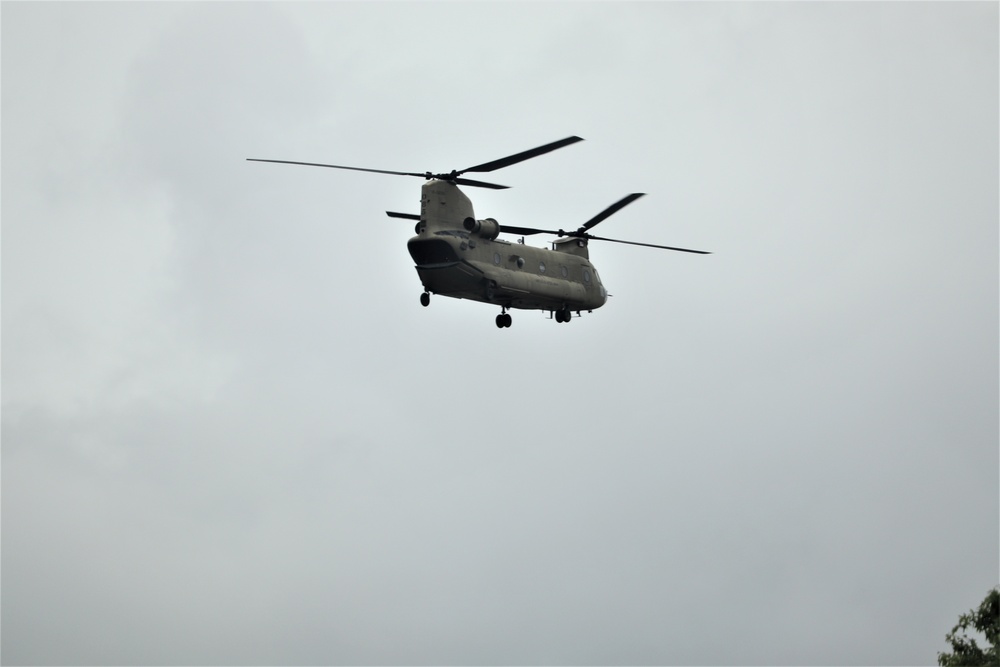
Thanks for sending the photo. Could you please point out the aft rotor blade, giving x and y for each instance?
(427, 175)
(521, 157)
(647, 245)
(479, 184)
(405, 216)
(337, 166)
(611, 210)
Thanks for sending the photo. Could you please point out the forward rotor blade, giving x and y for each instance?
(405, 216)
(647, 245)
(521, 157)
(337, 166)
(611, 210)
(526, 231)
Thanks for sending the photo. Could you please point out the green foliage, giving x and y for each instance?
(986, 620)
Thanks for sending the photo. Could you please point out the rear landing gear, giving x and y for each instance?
(425, 299)
(503, 320)
(563, 315)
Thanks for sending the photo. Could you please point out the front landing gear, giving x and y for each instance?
(503, 319)
(425, 299)
(563, 315)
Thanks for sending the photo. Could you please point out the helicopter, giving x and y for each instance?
(460, 256)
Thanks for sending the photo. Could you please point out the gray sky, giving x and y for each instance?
(232, 435)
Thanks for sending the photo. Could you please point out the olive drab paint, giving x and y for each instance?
(466, 260)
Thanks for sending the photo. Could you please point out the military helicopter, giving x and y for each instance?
(460, 256)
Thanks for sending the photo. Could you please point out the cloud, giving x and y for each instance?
(231, 434)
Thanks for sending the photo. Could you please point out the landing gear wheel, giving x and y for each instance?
(503, 321)
(563, 316)
(507, 320)
(425, 299)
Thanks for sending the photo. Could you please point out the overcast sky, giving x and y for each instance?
(232, 435)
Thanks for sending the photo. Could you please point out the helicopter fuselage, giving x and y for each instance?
(458, 256)
(461, 257)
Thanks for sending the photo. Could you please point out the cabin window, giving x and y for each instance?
(541, 267)
(564, 271)
(586, 276)
(496, 258)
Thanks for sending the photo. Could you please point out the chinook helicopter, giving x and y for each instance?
(460, 256)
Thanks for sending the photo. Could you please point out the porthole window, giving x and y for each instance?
(586, 276)
(541, 267)
(564, 271)
(496, 258)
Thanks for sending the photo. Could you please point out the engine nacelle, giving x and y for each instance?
(487, 229)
